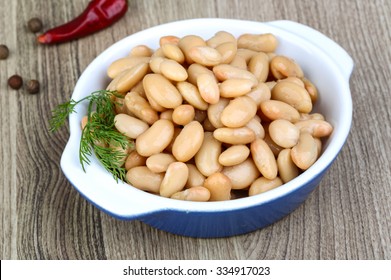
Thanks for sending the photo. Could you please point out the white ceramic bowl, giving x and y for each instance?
(324, 62)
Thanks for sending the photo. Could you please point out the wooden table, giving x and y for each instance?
(43, 217)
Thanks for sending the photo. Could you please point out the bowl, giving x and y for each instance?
(323, 61)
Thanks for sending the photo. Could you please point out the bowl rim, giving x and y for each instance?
(138, 209)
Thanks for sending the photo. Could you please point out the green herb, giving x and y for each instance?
(99, 136)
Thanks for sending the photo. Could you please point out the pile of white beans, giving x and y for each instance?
(215, 119)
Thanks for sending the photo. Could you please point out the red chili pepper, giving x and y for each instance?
(98, 15)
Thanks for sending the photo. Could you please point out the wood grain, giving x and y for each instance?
(43, 217)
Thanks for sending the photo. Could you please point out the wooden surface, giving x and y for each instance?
(347, 217)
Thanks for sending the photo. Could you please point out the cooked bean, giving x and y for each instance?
(260, 93)
(235, 136)
(219, 38)
(156, 106)
(311, 89)
(191, 94)
(172, 70)
(241, 175)
(172, 51)
(155, 139)
(139, 88)
(195, 176)
(130, 126)
(159, 162)
(215, 111)
(197, 193)
(130, 77)
(234, 155)
(287, 169)
(225, 71)
(208, 88)
(258, 42)
(188, 142)
(227, 51)
(264, 158)
(259, 66)
(158, 53)
(294, 80)
(219, 186)
(317, 128)
(239, 112)
(238, 62)
(140, 107)
(235, 87)
(275, 109)
(162, 91)
(263, 184)
(144, 179)
(112, 86)
(255, 125)
(174, 179)
(187, 42)
(305, 153)
(271, 84)
(318, 146)
(284, 133)
(282, 67)
(205, 55)
(167, 115)
(123, 64)
(84, 122)
(207, 158)
(134, 159)
(194, 70)
(314, 116)
(168, 39)
(272, 145)
(120, 107)
(155, 63)
(183, 114)
(247, 54)
(294, 95)
(141, 51)
(263, 117)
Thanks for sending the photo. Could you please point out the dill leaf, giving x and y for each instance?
(60, 114)
(99, 136)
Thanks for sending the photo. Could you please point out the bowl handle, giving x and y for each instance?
(341, 58)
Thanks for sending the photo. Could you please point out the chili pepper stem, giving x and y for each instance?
(43, 38)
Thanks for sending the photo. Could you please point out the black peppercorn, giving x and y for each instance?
(4, 52)
(15, 82)
(32, 86)
(34, 25)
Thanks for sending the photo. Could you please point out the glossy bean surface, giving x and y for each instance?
(207, 158)
(188, 142)
(219, 186)
(234, 155)
(155, 139)
(174, 179)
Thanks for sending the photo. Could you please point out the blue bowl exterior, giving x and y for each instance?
(216, 224)
(230, 223)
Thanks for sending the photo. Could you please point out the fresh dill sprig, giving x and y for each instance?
(99, 135)
(61, 113)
